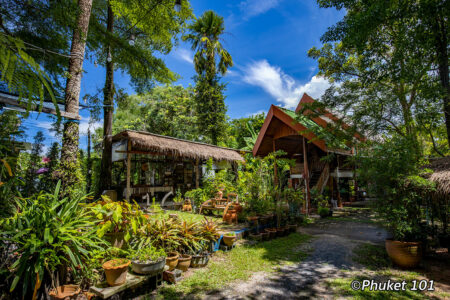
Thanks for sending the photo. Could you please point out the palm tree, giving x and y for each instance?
(204, 36)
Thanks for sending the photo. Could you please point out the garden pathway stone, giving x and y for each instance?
(332, 246)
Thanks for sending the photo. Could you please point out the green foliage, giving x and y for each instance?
(50, 233)
(166, 110)
(116, 216)
(384, 58)
(204, 35)
(243, 131)
(391, 170)
(35, 162)
(22, 74)
(148, 254)
(9, 177)
(197, 196)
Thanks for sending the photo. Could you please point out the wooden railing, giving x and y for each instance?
(323, 179)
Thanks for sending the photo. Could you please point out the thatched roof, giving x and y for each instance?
(441, 175)
(145, 141)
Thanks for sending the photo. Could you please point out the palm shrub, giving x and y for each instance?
(49, 234)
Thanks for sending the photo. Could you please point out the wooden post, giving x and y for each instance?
(128, 171)
(275, 167)
(306, 172)
(197, 174)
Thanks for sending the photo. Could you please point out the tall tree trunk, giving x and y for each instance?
(89, 164)
(69, 151)
(108, 108)
(442, 55)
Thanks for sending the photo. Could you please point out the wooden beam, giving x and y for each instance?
(306, 171)
(275, 167)
(13, 100)
(197, 174)
(128, 171)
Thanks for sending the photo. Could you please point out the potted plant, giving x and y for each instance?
(323, 209)
(149, 261)
(200, 260)
(229, 238)
(118, 220)
(116, 271)
(65, 292)
(272, 232)
(172, 260)
(184, 261)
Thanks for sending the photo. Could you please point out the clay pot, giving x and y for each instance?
(272, 232)
(292, 227)
(265, 236)
(68, 291)
(230, 216)
(199, 261)
(256, 237)
(280, 231)
(172, 260)
(229, 240)
(116, 271)
(404, 254)
(116, 239)
(184, 261)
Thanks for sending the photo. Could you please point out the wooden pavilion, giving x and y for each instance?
(307, 138)
(149, 164)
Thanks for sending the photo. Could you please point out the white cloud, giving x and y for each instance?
(185, 55)
(285, 89)
(252, 8)
(261, 111)
(84, 125)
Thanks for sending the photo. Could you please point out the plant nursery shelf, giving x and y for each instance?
(105, 291)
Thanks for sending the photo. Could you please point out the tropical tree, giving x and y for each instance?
(409, 40)
(128, 39)
(386, 84)
(210, 60)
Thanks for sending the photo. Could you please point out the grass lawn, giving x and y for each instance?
(238, 264)
(379, 268)
(186, 216)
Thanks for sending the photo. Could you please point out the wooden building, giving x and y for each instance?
(307, 138)
(146, 163)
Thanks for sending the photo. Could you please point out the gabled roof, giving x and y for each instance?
(323, 117)
(313, 126)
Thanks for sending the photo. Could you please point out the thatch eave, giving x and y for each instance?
(145, 141)
(440, 175)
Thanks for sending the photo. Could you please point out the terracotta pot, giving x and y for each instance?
(68, 291)
(199, 261)
(172, 260)
(252, 219)
(116, 274)
(184, 261)
(148, 268)
(230, 216)
(292, 227)
(116, 239)
(272, 232)
(265, 236)
(229, 240)
(280, 231)
(404, 254)
(256, 237)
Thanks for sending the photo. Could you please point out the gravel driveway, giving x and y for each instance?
(331, 251)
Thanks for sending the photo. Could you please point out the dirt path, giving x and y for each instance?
(331, 251)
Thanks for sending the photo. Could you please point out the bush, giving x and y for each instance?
(50, 234)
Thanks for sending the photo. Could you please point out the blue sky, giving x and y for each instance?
(268, 40)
